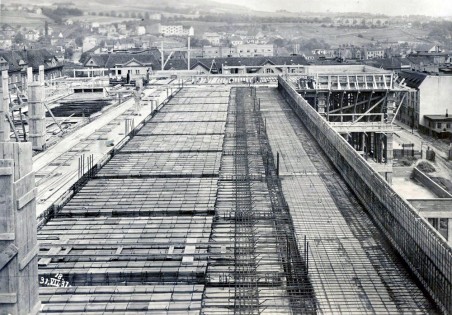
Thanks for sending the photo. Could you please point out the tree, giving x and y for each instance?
(68, 53)
(19, 38)
(79, 41)
(278, 42)
(46, 29)
(146, 16)
(133, 15)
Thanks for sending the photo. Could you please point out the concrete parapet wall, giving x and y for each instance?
(424, 250)
(402, 171)
(430, 184)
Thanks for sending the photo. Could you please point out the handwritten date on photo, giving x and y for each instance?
(56, 281)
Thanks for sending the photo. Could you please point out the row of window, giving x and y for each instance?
(137, 71)
(440, 125)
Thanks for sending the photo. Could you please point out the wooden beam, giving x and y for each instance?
(368, 111)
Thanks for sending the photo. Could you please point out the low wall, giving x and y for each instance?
(400, 153)
(430, 184)
(424, 250)
(400, 171)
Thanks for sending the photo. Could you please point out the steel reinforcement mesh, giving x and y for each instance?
(428, 257)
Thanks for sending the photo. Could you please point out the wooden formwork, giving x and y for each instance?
(18, 244)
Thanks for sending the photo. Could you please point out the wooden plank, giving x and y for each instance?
(7, 236)
(26, 199)
(31, 254)
(6, 171)
(8, 298)
(7, 254)
(6, 197)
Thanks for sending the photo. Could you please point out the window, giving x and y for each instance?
(119, 71)
(137, 71)
(438, 125)
(269, 70)
(448, 125)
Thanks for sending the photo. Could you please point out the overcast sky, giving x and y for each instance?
(389, 7)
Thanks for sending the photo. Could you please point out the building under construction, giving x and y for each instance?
(244, 199)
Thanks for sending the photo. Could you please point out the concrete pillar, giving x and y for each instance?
(449, 232)
(29, 76)
(36, 114)
(391, 108)
(137, 99)
(450, 152)
(18, 231)
(389, 148)
(321, 103)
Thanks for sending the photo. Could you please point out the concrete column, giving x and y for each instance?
(137, 99)
(18, 231)
(449, 232)
(389, 148)
(450, 152)
(29, 76)
(4, 108)
(321, 103)
(391, 108)
(36, 114)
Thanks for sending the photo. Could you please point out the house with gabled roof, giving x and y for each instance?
(121, 64)
(16, 63)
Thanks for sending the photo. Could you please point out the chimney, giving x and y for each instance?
(447, 114)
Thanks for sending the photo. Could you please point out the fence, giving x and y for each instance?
(424, 250)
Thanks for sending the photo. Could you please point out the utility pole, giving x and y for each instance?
(191, 32)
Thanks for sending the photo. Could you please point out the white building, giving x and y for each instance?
(433, 97)
(141, 30)
(174, 30)
(213, 38)
(246, 50)
(253, 50)
(372, 53)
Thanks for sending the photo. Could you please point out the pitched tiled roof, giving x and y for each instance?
(253, 61)
(425, 60)
(413, 79)
(389, 63)
(111, 60)
(153, 58)
(32, 58)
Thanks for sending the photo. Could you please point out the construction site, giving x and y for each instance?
(220, 194)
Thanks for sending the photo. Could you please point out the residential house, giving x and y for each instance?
(428, 48)
(257, 65)
(371, 53)
(8, 30)
(89, 42)
(439, 125)
(245, 50)
(236, 40)
(124, 44)
(5, 41)
(102, 30)
(16, 63)
(122, 28)
(253, 50)
(31, 35)
(140, 30)
(136, 65)
(213, 38)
